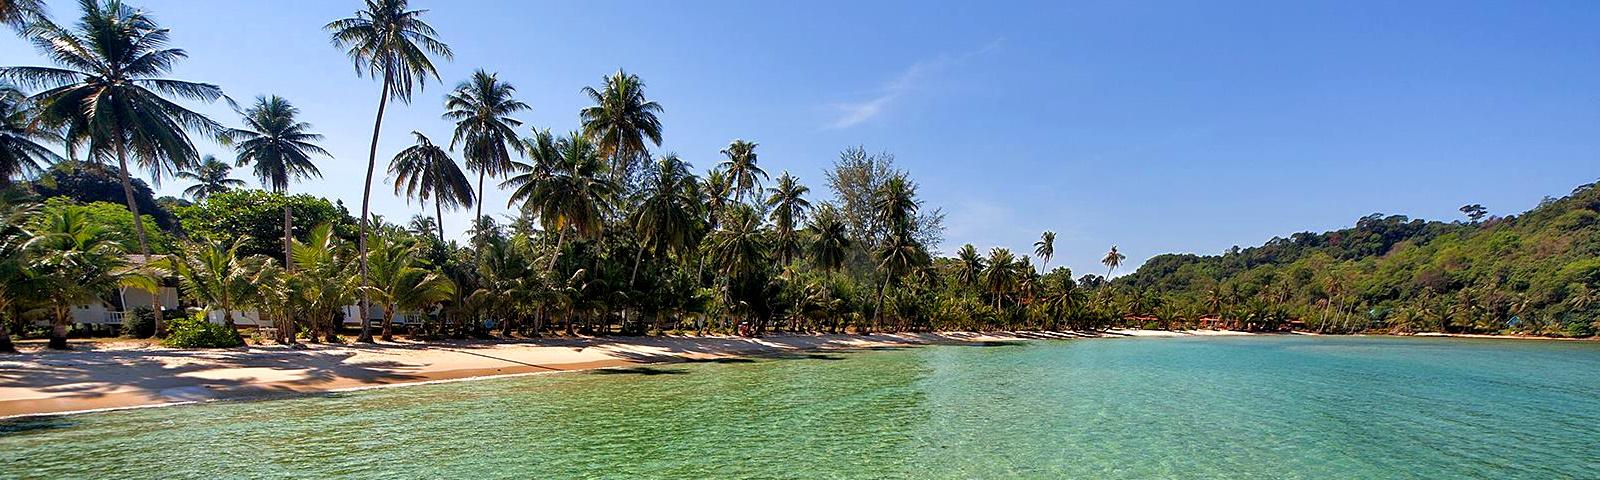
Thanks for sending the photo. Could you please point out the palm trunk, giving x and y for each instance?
(636, 258)
(366, 201)
(138, 227)
(479, 217)
(288, 238)
(561, 239)
(58, 329)
(438, 212)
(388, 323)
(879, 307)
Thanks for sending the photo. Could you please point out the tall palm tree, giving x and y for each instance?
(565, 187)
(107, 95)
(481, 108)
(896, 205)
(1112, 260)
(742, 169)
(18, 14)
(740, 247)
(425, 171)
(789, 206)
(386, 39)
(1001, 278)
(621, 121)
(830, 238)
(279, 148)
(1045, 248)
(668, 219)
(210, 177)
(22, 145)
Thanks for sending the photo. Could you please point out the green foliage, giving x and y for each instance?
(88, 183)
(116, 220)
(140, 323)
(256, 218)
(197, 332)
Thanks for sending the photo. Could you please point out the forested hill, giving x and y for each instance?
(1537, 273)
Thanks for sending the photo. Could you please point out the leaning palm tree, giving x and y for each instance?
(1045, 248)
(22, 144)
(1112, 260)
(107, 96)
(279, 148)
(621, 121)
(425, 171)
(388, 40)
(481, 108)
(668, 219)
(741, 168)
(210, 177)
(565, 187)
(789, 206)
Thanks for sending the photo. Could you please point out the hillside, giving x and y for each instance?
(1534, 273)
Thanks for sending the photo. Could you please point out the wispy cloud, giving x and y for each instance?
(849, 114)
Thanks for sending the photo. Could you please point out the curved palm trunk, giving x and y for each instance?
(561, 239)
(388, 323)
(138, 227)
(366, 202)
(479, 217)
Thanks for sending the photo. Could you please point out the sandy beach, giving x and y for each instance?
(123, 375)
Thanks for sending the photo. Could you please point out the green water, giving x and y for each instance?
(1276, 407)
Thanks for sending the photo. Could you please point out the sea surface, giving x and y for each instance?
(1212, 407)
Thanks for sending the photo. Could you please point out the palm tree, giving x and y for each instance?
(74, 261)
(322, 282)
(22, 145)
(1112, 260)
(216, 276)
(210, 177)
(830, 238)
(621, 120)
(969, 265)
(896, 258)
(668, 220)
(789, 207)
(18, 14)
(1045, 248)
(481, 108)
(16, 279)
(279, 148)
(565, 187)
(386, 39)
(742, 169)
(896, 206)
(425, 171)
(740, 248)
(1001, 277)
(398, 283)
(107, 95)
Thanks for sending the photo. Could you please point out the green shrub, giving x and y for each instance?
(141, 323)
(197, 332)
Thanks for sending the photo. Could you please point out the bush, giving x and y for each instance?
(141, 323)
(197, 332)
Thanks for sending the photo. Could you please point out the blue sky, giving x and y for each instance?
(1156, 126)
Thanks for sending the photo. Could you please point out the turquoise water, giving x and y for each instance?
(1274, 407)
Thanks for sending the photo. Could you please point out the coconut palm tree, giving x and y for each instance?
(386, 39)
(213, 274)
(565, 187)
(621, 121)
(668, 219)
(322, 282)
(789, 206)
(1112, 260)
(1045, 248)
(107, 96)
(482, 108)
(740, 248)
(425, 171)
(210, 177)
(18, 14)
(1001, 278)
(22, 145)
(969, 265)
(897, 257)
(279, 148)
(74, 261)
(830, 238)
(742, 169)
(16, 287)
(399, 284)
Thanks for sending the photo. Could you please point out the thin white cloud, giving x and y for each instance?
(849, 114)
